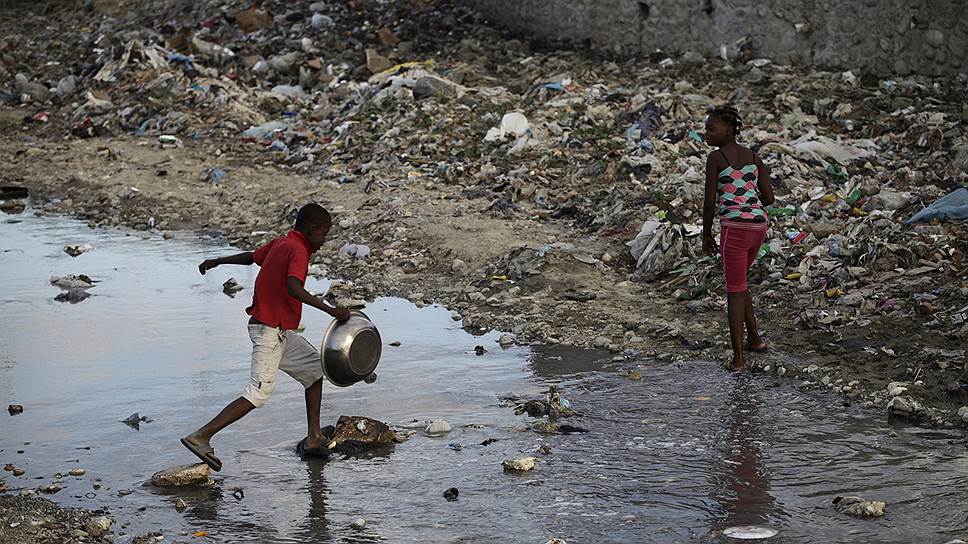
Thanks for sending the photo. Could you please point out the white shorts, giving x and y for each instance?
(272, 349)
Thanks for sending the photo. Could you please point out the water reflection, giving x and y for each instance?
(315, 528)
(743, 489)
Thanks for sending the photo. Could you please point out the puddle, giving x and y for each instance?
(676, 457)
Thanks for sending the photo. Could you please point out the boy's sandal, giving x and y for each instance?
(205, 453)
(319, 451)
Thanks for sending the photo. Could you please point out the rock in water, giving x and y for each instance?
(749, 532)
(520, 464)
(438, 426)
(195, 474)
(903, 406)
(860, 508)
(359, 431)
(359, 524)
(98, 526)
(77, 249)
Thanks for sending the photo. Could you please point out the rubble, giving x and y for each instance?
(546, 193)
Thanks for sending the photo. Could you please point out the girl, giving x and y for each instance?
(737, 189)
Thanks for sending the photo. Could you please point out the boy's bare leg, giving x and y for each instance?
(754, 340)
(234, 411)
(736, 313)
(314, 398)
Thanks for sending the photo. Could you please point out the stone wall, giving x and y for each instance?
(881, 36)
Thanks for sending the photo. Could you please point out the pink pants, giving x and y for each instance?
(739, 242)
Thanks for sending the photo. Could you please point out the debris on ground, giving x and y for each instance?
(48, 522)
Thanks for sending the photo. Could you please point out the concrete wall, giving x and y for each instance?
(881, 36)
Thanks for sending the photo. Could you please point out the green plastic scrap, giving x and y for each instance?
(837, 172)
(854, 196)
(782, 212)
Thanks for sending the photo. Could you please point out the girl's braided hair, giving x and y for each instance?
(729, 115)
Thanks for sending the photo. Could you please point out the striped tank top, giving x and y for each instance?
(738, 193)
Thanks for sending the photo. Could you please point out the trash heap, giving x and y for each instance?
(423, 101)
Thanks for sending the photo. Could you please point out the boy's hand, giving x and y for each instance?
(206, 265)
(709, 245)
(340, 314)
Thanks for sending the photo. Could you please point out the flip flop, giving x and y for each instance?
(319, 451)
(205, 453)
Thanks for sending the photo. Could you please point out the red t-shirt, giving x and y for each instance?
(281, 258)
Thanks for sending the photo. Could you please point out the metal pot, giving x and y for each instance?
(351, 350)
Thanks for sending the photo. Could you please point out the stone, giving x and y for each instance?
(429, 86)
(895, 388)
(360, 431)
(182, 475)
(98, 526)
(458, 266)
(600, 343)
(858, 507)
(377, 63)
(963, 413)
(935, 38)
(545, 427)
(77, 472)
(505, 340)
(903, 406)
(437, 427)
(181, 505)
(15, 409)
(358, 524)
(77, 533)
(520, 464)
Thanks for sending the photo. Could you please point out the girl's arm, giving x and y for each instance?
(764, 183)
(709, 204)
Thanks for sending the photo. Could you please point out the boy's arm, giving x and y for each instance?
(239, 258)
(298, 292)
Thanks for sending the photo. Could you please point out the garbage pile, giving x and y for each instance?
(424, 101)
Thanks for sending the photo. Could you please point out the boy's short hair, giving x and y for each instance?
(312, 215)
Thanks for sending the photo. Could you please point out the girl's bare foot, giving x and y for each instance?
(756, 345)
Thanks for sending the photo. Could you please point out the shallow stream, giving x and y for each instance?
(676, 457)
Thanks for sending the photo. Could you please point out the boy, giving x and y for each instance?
(275, 311)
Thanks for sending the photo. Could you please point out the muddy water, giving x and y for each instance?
(676, 457)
